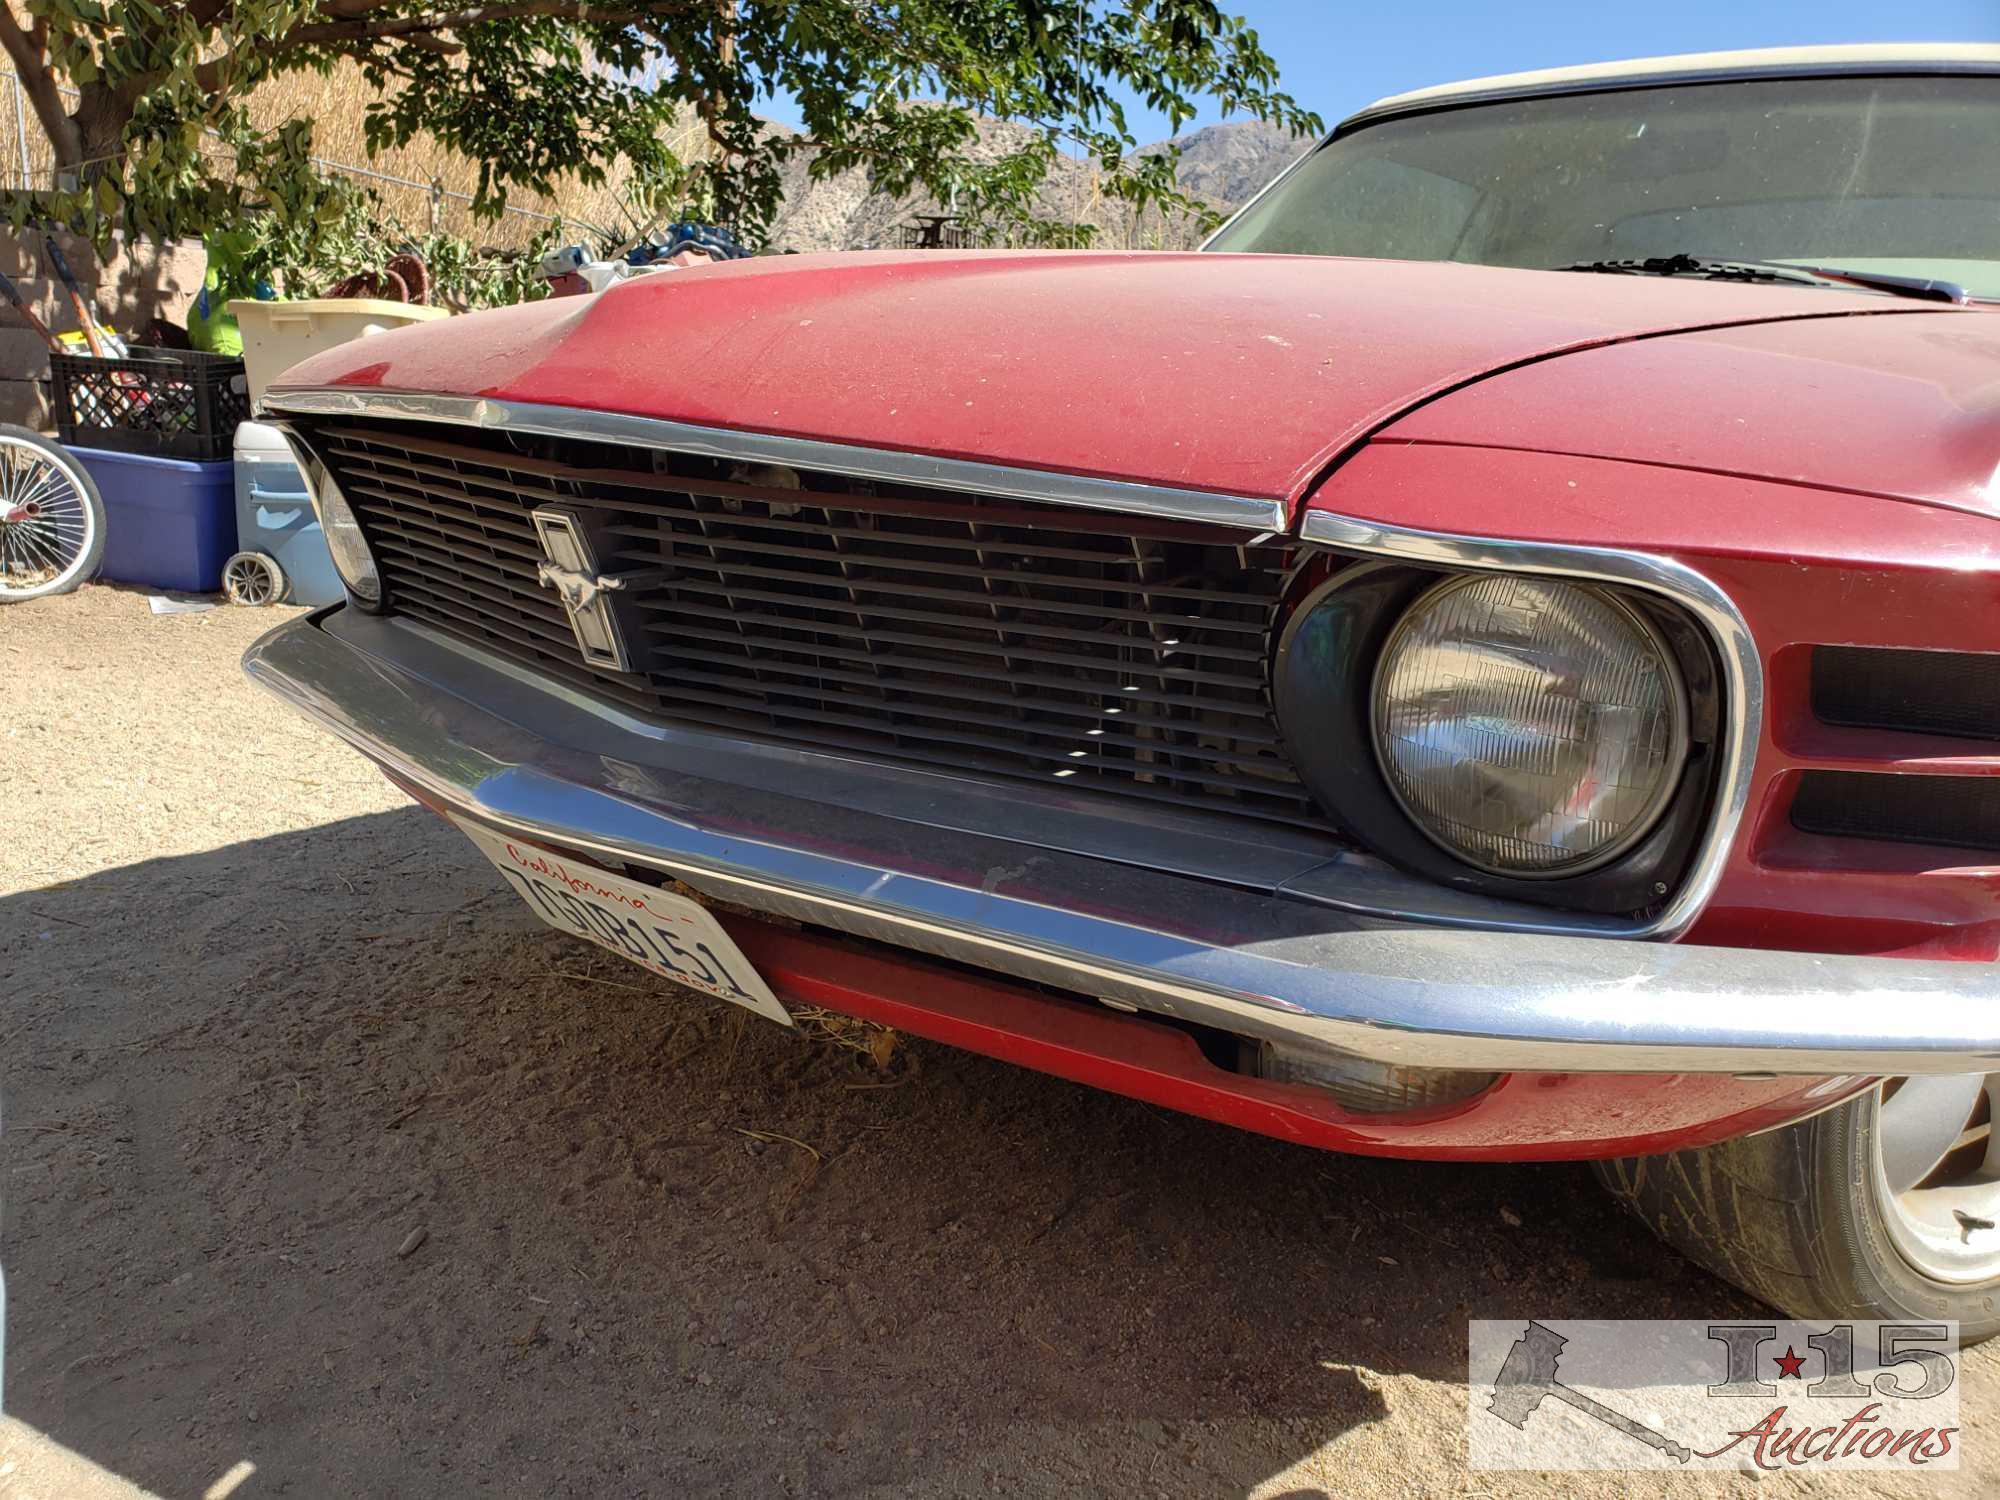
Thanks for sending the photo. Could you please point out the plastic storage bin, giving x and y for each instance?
(178, 403)
(274, 517)
(277, 335)
(169, 523)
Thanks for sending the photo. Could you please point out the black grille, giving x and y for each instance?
(1073, 648)
(1920, 692)
(1959, 812)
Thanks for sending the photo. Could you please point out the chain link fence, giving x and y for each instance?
(27, 161)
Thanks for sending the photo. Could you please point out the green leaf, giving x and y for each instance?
(962, 103)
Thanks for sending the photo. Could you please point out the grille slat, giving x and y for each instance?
(996, 744)
(782, 695)
(517, 583)
(465, 525)
(1013, 549)
(913, 686)
(482, 603)
(1128, 696)
(1043, 582)
(1077, 649)
(400, 527)
(845, 578)
(952, 644)
(1082, 661)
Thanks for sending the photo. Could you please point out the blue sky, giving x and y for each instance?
(1336, 57)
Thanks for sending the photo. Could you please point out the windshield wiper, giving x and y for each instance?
(1713, 269)
(1923, 288)
(1698, 265)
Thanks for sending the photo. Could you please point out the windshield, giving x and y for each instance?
(1900, 175)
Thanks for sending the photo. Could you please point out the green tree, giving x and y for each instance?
(157, 136)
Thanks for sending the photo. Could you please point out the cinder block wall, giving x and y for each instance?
(133, 285)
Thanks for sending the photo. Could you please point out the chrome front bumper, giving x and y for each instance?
(479, 737)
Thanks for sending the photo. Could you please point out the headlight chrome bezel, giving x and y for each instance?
(1323, 690)
(340, 527)
(1414, 614)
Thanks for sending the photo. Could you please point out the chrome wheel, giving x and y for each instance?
(1937, 1174)
(51, 521)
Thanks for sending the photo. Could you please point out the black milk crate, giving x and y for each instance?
(176, 403)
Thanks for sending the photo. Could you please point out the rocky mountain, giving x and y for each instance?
(1221, 164)
(1226, 164)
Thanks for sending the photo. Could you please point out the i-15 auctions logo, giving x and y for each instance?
(1776, 1396)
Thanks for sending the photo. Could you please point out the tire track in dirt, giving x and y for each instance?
(263, 1019)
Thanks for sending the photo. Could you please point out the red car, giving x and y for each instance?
(1498, 658)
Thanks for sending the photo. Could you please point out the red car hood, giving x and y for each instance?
(1245, 375)
(1903, 407)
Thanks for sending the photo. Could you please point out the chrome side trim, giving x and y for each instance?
(888, 465)
(1736, 650)
(1243, 961)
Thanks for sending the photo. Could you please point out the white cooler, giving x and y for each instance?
(276, 528)
(277, 335)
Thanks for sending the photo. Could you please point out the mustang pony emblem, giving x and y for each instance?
(578, 590)
(571, 570)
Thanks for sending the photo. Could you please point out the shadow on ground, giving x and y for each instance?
(239, 1083)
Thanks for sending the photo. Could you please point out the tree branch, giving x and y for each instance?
(29, 52)
(211, 77)
(364, 29)
(346, 8)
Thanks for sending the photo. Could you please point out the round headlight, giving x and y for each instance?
(1531, 728)
(349, 548)
(345, 542)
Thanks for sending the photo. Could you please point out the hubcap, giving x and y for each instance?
(1937, 1174)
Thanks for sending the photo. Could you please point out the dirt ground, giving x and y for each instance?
(264, 1023)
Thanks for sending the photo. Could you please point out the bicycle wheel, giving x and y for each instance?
(51, 518)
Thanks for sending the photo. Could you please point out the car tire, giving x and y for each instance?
(1801, 1217)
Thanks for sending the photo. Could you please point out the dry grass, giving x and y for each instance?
(875, 1042)
(338, 106)
(36, 156)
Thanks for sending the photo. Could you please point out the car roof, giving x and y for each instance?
(1891, 57)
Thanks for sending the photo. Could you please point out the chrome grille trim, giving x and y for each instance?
(1126, 657)
(966, 476)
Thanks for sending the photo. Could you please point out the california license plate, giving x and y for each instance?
(671, 936)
